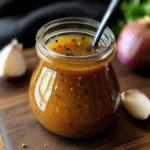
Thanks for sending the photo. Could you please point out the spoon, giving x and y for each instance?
(104, 21)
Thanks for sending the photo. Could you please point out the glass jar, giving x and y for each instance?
(74, 96)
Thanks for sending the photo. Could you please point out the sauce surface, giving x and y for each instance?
(73, 45)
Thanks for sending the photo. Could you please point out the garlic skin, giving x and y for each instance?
(136, 103)
(12, 63)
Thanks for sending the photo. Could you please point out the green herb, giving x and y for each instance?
(79, 43)
(132, 10)
(23, 145)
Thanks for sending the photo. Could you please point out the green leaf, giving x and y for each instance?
(132, 10)
(117, 28)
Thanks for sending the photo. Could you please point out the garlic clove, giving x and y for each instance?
(12, 60)
(136, 103)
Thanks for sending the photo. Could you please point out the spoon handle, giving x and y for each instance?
(104, 21)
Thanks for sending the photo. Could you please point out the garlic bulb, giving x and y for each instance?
(12, 60)
(136, 103)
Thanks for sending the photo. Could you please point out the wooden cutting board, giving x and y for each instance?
(22, 126)
(1, 143)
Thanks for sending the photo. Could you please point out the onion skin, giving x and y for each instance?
(133, 46)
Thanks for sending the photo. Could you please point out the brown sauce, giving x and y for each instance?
(74, 100)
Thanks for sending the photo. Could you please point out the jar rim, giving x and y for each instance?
(46, 53)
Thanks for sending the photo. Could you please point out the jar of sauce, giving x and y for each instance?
(74, 91)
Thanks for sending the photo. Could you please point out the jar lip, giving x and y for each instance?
(45, 53)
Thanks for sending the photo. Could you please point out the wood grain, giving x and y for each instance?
(22, 127)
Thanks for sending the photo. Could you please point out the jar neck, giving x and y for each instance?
(74, 25)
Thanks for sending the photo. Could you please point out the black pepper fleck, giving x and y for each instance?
(85, 91)
(70, 123)
(56, 40)
(83, 38)
(88, 49)
(54, 49)
(67, 48)
(57, 95)
(73, 40)
(79, 106)
(68, 54)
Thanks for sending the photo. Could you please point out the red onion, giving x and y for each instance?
(133, 46)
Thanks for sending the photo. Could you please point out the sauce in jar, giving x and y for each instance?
(74, 94)
(73, 45)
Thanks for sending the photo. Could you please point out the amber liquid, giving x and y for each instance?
(73, 45)
(74, 101)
